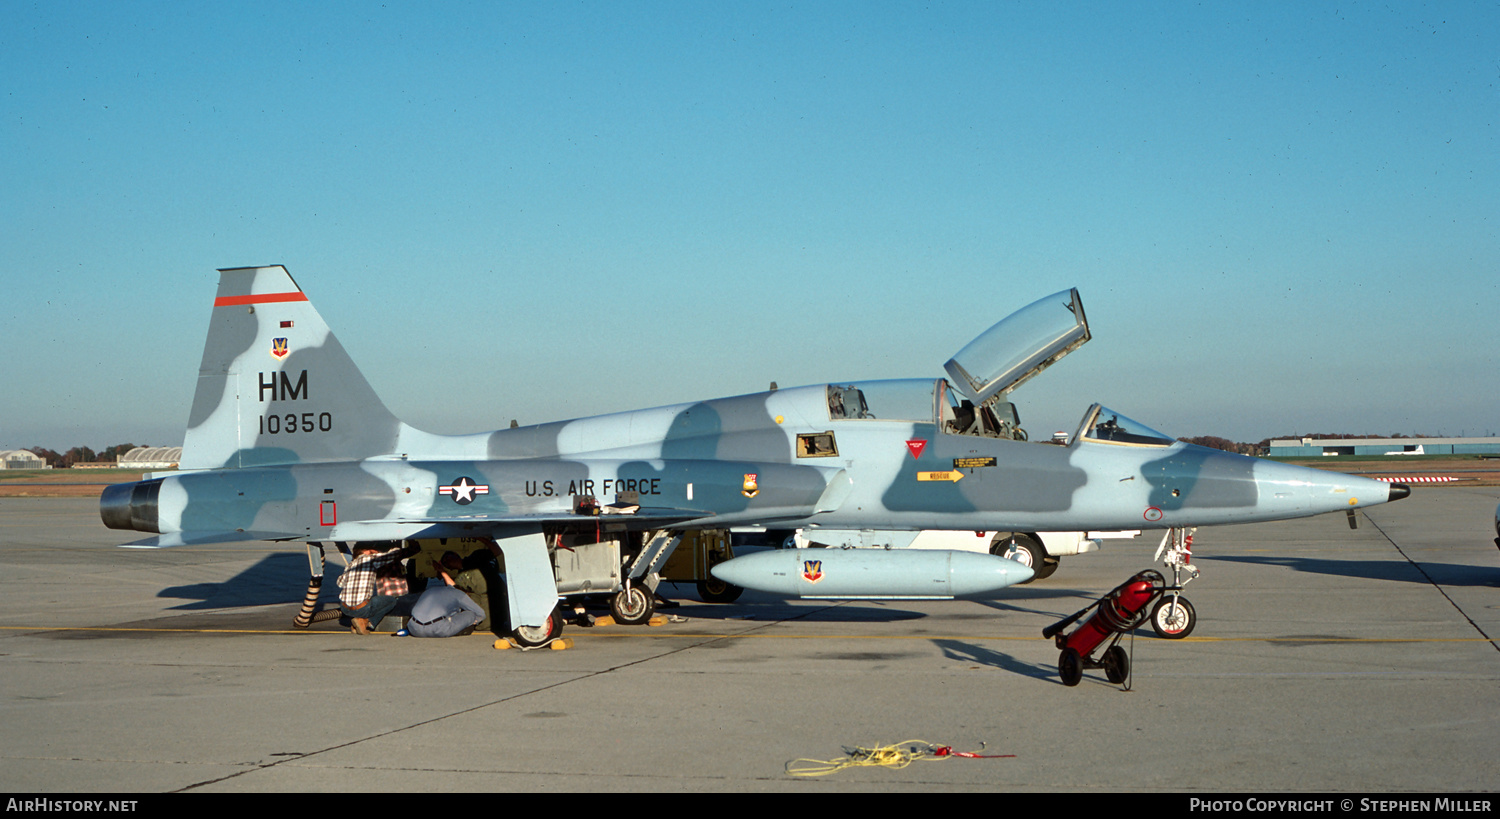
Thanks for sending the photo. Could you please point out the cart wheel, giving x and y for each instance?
(533, 636)
(1116, 664)
(633, 606)
(714, 590)
(1070, 667)
(1173, 623)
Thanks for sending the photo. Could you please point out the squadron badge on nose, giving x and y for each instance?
(749, 488)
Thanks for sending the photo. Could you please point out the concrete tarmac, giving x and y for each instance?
(1324, 659)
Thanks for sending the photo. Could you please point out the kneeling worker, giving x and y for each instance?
(443, 610)
(362, 594)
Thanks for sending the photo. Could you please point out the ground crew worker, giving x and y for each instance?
(358, 596)
(444, 610)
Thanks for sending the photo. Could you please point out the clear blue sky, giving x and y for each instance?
(1283, 217)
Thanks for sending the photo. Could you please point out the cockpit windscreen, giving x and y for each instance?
(1108, 426)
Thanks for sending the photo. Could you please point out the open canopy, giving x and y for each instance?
(1019, 346)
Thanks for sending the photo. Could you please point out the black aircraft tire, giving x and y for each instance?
(1116, 664)
(1026, 551)
(633, 606)
(714, 590)
(1044, 571)
(534, 636)
(1070, 667)
(1180, 626)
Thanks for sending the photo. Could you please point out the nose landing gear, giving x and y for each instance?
(1173, 616)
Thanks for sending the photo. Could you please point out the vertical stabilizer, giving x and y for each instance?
(275, 385)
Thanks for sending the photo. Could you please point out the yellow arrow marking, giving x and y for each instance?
(940, 476)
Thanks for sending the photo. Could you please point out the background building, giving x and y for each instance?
(1315, 447)
(151, 457)
(21, 459)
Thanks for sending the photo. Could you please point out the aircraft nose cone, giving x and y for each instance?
(1399, 491)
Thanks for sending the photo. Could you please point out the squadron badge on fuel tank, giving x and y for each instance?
(749, 488)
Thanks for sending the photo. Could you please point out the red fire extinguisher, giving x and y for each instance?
(1116, 613)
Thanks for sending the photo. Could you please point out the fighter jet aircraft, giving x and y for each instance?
(286, 441)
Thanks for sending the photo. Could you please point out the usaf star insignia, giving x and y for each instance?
(463, 490)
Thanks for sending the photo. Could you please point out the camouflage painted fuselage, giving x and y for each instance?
(287, 440)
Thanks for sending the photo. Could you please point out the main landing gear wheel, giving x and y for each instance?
(1116, 664)
(713, 590)
(533, 636)
(1070, 667)
(632, 606)
(1173, 622)
(1027, 551)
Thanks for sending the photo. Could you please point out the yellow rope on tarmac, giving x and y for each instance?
(894, 757)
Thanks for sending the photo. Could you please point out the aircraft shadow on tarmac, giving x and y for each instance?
(969, 653)
(838, 611)
(764, 606)
(1446, 574)
(277, 578)
(1047, 602)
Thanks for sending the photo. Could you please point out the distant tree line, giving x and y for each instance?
(1215, 442)
(1340, 436)
(80, 455)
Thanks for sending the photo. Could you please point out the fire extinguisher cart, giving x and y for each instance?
(1096, 643)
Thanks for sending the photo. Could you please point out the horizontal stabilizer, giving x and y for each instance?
(203, 539)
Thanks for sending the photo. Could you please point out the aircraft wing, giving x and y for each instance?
(469, 525)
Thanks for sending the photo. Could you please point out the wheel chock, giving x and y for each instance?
(560, 644)
(606, 620)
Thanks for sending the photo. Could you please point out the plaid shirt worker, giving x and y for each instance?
(358, 581)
